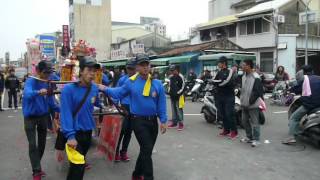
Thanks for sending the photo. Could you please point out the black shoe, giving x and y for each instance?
(1, 109)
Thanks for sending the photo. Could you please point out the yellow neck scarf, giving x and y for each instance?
(147, 86)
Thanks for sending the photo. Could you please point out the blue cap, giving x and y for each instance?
(131, 63)
(140, 58)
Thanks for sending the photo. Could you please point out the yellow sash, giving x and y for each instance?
(147, 86)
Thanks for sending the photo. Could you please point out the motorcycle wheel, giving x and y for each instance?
(194, 97)
(210, 119)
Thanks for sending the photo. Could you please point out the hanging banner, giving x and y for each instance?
(109, 135)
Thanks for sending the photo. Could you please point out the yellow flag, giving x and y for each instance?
(181, 102)
(74, 156)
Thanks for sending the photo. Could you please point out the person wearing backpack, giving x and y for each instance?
(77, 122)
(35, 107)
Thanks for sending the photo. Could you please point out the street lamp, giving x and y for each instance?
(306, 32)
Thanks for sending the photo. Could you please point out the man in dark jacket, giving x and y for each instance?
(308, 102)
(176, 91)
(225, 99)
(251, 97)
(12, 85)
(1, 88)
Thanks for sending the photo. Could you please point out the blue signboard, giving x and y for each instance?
(47, 45)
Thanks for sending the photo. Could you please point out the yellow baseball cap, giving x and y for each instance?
(74, 156)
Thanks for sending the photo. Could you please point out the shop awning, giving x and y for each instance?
(112, 63)
(161, 69)
(230, 56)
(160, 62)
(181, 59)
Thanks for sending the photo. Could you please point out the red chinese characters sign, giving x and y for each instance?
(66, 37)
(109, 135)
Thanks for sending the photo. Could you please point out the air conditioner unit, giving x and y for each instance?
(281, 19)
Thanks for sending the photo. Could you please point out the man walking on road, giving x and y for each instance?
(251, 97)
(176, 89)
(126, 131)
(77, 122)
(147, 104)
(2, 84)
(35, 107)
(225, 99)
(12, 85)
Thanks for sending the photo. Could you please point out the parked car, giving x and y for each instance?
(268, 81)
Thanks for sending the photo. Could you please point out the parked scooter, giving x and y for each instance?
(166, 85)
(209, 108)
(198, 90)
(188, 88)
(310, 124)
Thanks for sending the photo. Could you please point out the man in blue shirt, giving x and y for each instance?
(147, 103)
(35, 107)
(77, 121)
(126, 131)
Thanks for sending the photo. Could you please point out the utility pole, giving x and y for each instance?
(306, 33)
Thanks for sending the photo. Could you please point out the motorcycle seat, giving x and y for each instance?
(314, 110)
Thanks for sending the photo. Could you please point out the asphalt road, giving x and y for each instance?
(196, 153)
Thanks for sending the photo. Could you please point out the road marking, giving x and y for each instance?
(192, 114)
(280, 112)
(11, 108)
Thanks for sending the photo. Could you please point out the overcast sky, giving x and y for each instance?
(22, 19)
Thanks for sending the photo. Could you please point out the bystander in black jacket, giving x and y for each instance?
(226, 87)
(176, 86)
(12, 82)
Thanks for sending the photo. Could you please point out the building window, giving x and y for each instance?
(265, 26)
(70, 2)
(243, 28)
(266, 61)
(250, 27)
(232, 30)
(258, 26)
(88, 2)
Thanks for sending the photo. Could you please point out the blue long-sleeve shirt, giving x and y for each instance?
(121, 82)
(105, 79)
(153, 105)
(71, 97)
(33, 104)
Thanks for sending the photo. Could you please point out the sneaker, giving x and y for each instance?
(117, 158)
(172, 125)
(43, 174)
(233, 135)
(224, 133)
(125, 157)
(255, 143)
(246, 140)
(181, 126)
(37, 177)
